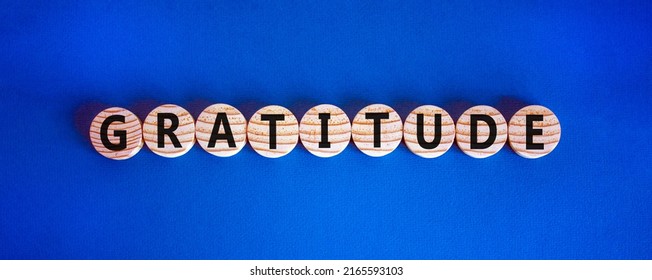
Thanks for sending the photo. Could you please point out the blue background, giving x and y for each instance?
(62, 62)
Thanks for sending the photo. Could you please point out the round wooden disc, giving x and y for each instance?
(447, 131)
(185, 132)
(463, 131)
(551, 131)
(287, 132)
(206, 122)
(339, 130)
(131, 126)
(391, 129)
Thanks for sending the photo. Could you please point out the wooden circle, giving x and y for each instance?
(391, 131)
(339, 130)
(550, 134)
(447, 131)
(130, 128)
(463, 131)
(185, 131)
(287, 132)
(236, 122)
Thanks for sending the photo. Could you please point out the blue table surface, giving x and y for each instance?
(61, 62)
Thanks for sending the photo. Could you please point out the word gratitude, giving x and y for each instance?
(325, 131)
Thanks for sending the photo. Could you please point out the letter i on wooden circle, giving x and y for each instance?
(221, 130)
(377, 130)
(273, 131)
(429, 131)
(169, 131)
(325, 130)
(116, 133)
(481, 131)
(534, 131)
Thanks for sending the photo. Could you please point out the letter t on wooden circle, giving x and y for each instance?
(534, 131)
(273, 131)
(429, 131)
(221, 130)
(116, 133)
(377, 130)
(481, 131)
(325, 130)
(169, 131)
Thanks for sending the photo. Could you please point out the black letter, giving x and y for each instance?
(272, 118)
(420, 137)
(122, 134)
(228, 136)
(162, 131)
(530, 132)
(377, 117)
(324, 117)
(474, 131)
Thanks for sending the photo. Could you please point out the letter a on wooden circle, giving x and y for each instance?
(169, 131)
(221, 130)
(481, 131)
(116, 133)
(534, 131)
(273, 131)
(377, 130)
(325, 130)
(429, 131)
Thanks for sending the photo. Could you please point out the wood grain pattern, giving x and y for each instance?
(463, 131)
(550, 127)
(131, 126)
(204, 129)
(185, 132)
(447, 131)
(287, 132)
(362, 131)
(339, 130)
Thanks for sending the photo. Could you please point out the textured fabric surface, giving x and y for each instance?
(61, 62)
